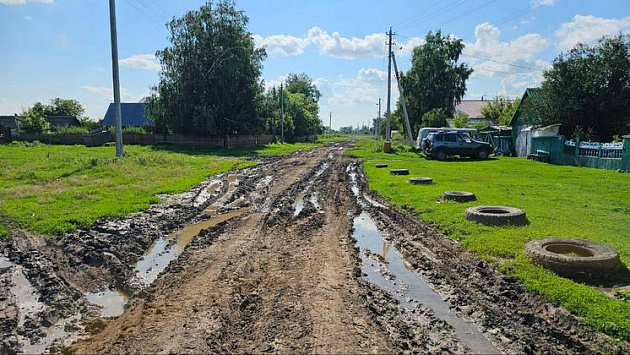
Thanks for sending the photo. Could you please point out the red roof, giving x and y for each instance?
(471, 107)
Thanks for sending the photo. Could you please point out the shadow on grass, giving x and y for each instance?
(465, 160)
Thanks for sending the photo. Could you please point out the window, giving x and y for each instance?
(450, 137)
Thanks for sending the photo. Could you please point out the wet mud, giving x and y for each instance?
(295, 254)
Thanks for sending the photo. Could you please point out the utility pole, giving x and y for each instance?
(402, 100)
(330, 123)
(377, 129)
(387, 147)
(282, 112)
(117, 118)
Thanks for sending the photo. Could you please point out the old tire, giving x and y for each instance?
(440, 154)
(459, 196)
(381, 165)
(421, 181)
(573, 256)
(497, 215)
(399, 171)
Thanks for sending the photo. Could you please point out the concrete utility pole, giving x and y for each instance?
(402, 100)
(330, 123)
(282, 112)
(387, 147)
(117, 118)
(377, 129)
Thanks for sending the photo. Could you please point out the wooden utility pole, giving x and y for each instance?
(282, 113)
(117, 118)
(387, 146)
(402, 101)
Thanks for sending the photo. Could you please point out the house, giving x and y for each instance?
(525, 123)
(472, 108)
(62, 121)
(132, 115)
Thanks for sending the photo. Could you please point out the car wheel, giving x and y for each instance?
(440, 155)
(482, 154)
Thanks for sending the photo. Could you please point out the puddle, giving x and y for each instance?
(52, 334)
(373, 202)
(321, 169)
(26, 296)
(112, 303)
(299, 203)
(398, 279)
(218, 204)
(207, 192)
(263, 183)
(167, 249)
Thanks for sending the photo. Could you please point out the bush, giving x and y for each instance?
(72, 130)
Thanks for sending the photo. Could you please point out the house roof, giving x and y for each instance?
(472, 108)
(8, 122)
(132, 115)
(533, 94)
(57, 121)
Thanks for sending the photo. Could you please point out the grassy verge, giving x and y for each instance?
(560, 201)
(51, 189)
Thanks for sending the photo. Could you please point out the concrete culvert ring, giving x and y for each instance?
(421, 181)
(399, 171)
(459, 196)
(573, 256)
(497, 215)
(381, 165)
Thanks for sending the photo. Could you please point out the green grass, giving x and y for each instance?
(51, 189)
(560, 201)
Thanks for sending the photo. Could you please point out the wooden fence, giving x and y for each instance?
(586, 154)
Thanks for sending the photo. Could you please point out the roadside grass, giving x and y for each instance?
(52, 189)
(560, 201)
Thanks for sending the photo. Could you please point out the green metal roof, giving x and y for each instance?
(533, 94)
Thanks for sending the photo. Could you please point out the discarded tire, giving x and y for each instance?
(573, 256)
(421, 181)
(497, 215)
(459, 196)
(399, 171)
(381, 165)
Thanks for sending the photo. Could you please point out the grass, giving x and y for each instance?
(560, 201)
(52, 189)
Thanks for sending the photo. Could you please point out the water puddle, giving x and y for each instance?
(402, 282)
(26, 296)
(207, 192)
(299, 203)
(167, 249)
(112, 303)
(56, 332)
(217, 205)
(315, 202)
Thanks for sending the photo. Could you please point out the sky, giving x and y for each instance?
(61, 48)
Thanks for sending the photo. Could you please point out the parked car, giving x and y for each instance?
(442, 144)
(424, 132)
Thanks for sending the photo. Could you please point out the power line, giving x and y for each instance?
(413, 17)
(503, 63)
(152, 18)
(438, 13)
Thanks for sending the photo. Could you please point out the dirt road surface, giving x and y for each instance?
(293, 255)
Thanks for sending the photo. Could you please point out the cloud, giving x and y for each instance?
(372, 75)
(330, 44)
(589, 29)
(143, 61)
(282, 44)
(22, 2)
(106, 94)
(537, 3)
(28, 18)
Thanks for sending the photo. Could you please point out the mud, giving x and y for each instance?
(292, 255)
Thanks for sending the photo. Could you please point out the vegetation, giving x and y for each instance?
(561, 201)
(500, 110)
(210, 81)
(436, 117)
(33, 119)
(72, 130)
(460, 120)
(435, 80)
(588, 88)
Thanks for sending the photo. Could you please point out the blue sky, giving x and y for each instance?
(61, 48)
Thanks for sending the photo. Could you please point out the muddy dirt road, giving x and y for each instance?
(293, 255)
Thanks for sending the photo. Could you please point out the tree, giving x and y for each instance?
(435, 118)
(460, 120)
(65, 107)
(33, 120)
(589, 88)
(500, 110)
(210, 80)
(435, 80)
(304, 84)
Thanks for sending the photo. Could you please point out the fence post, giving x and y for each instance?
(625, 154)
(577, 151)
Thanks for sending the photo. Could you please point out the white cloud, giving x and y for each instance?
(538, 3)
(22, 2)
(106, 94)
(372, 75)
(28, 18)
(143, 61)
(282, 44)
(589, 29)
(333, 45)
